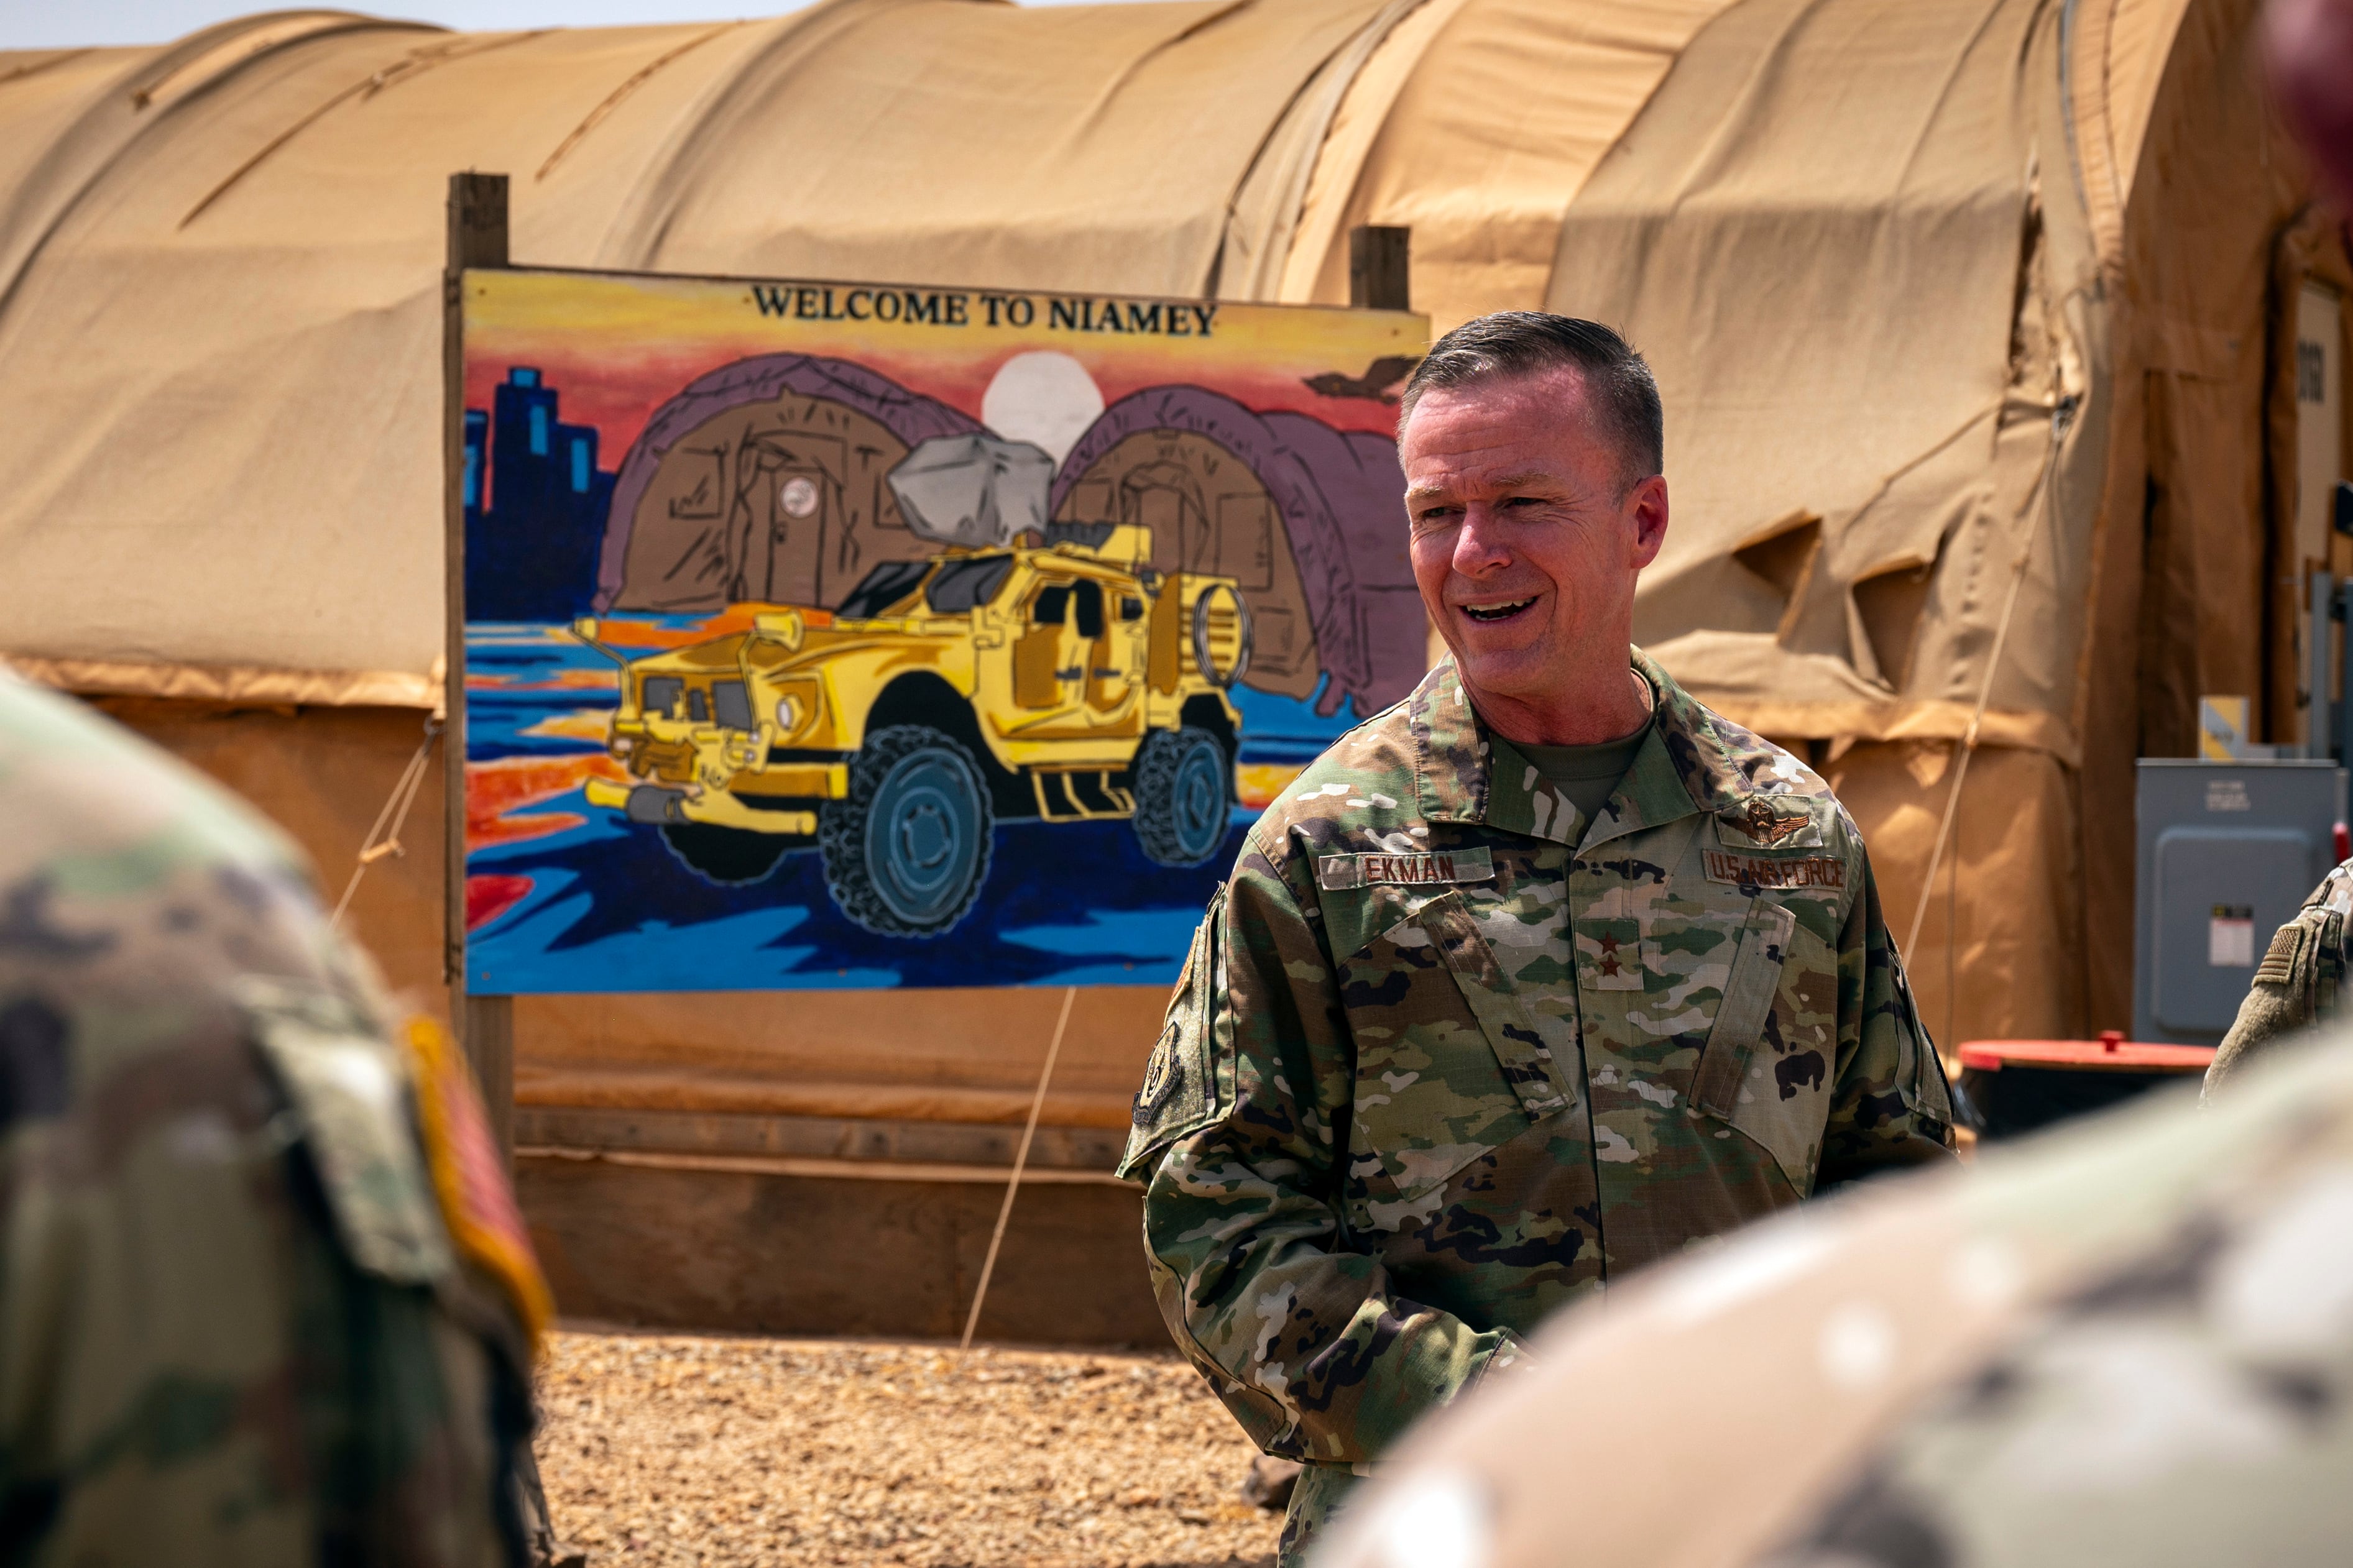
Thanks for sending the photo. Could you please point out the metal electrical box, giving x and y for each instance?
(2227, 852)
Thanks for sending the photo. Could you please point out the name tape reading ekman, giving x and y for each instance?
(1336, 871)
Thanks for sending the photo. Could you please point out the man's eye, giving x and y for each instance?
(1437, 516)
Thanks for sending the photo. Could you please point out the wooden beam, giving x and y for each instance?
(1379, 275)
(485, 1025)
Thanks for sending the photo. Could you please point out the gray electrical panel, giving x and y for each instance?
(2227, 852)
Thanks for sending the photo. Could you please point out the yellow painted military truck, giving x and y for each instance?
(1066, 681)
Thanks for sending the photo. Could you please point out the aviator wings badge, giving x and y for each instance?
(1767, 826)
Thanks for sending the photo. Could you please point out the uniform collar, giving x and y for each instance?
(1465, 773)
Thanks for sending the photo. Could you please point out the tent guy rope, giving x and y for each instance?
(380, 843)
(1020, 1161)
(2061, 417)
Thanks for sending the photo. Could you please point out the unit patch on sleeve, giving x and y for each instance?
(1336, 871)
(1761, 871)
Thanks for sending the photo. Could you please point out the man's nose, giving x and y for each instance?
(1479, 547)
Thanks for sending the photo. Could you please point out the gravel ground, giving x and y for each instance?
(674, 1450)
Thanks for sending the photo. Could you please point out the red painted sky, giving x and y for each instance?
(615, 373)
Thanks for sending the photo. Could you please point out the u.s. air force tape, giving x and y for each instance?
(1363, 870)
(1759, 871)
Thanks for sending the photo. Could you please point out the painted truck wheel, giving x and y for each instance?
(906, 852)
(728, 856)
(1183, 787)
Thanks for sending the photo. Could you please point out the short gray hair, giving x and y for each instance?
(1512, 343)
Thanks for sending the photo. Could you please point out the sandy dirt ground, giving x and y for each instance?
(675, 1451)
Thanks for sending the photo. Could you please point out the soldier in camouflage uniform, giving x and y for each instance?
(2307, 49)
(264, 1297)
(1451, 1050)
(2296, 986)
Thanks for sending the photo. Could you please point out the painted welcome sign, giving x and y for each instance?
(826, 633)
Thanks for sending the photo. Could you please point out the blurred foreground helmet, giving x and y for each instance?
(2130, 1341)
(264, 1296)
(2307, 48)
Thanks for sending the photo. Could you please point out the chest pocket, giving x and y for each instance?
(1772, 1050)
(1449, 1064)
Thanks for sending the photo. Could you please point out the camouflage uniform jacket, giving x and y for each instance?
(234, 1328)
(1446, 1056)
(2297, 985)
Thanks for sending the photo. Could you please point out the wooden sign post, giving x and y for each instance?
(485, 1025)
(1379, 267)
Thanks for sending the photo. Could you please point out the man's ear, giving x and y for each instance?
(1646, 514)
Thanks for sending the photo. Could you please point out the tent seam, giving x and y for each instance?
(71, 204)
(233, 684)
(417, 64)
(1569, 202)
(1366, 38)
(644, 227)
(1347, 201)
(189, 52)
(1993, 8)
(1159, 46)
(63, 58)
(613, 100)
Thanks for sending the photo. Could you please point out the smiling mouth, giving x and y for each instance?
(1490, 613)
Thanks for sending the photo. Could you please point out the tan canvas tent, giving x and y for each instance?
(1977, 320)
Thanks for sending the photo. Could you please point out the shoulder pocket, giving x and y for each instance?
(351, 1090)
(1763, 1071)
(1748, 1000)
(1180, 1091)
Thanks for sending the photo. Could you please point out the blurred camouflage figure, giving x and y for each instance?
(2128, 1341)
(2296, 986)
(264, 1295)
(2307, 51)
(1476, 1024)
